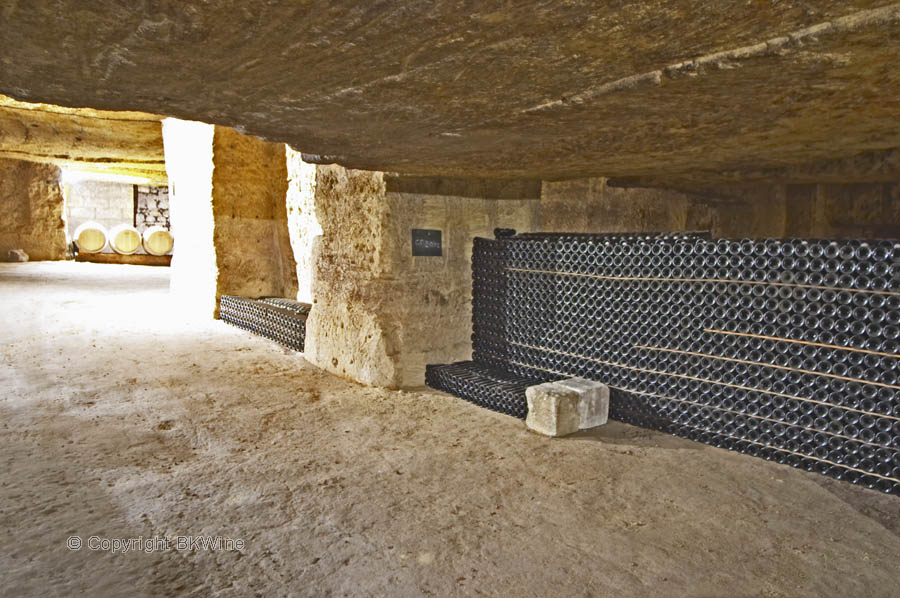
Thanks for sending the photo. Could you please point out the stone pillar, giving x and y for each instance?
(227, 207)
(381, 314)
(31, 210)
(189, 165)
(253, 249)
(303, 223)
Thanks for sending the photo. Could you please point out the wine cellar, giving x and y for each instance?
(781, 349)
(492, 298)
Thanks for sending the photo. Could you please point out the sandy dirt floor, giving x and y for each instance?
(121, 418)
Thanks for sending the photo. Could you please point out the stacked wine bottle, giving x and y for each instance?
(276, 318)
(783, 349)
(482, 385)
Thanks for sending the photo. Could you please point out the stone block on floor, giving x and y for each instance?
(552, 409)
(17, 255)
(593, 401)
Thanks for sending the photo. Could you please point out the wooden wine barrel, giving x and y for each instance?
(90, 237)
(124, 239)
(158, 241)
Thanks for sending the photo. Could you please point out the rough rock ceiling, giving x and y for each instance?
(123, 144)
(538, 88)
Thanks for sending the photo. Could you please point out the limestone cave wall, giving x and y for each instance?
(380, 313)
(31, 210)
(865, 210)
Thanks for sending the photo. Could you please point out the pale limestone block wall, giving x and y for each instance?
(227, 194)
(379, 313)
(106, 202)
(31, 210)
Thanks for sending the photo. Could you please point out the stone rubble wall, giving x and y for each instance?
(152, 207)
(31, 210)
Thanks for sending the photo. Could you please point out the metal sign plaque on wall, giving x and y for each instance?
(426, 242)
